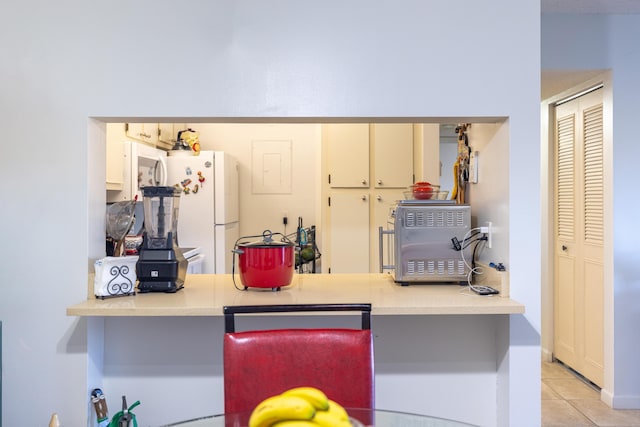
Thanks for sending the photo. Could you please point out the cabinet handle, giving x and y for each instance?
(364, 182)
(364, 198)
(564, 248)
(379, 182)
(379, 198)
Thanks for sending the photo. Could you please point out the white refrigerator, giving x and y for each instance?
(208, 215)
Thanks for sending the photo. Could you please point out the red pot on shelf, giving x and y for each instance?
(266, 263)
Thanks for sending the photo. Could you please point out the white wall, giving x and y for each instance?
(610, 42)
(66, 63)
(489, 197)
(260, 212)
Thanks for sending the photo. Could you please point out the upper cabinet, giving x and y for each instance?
(369, 155)
(392, 154)
(147, 132)
(347, 147)
(168, 134)
(115, 165)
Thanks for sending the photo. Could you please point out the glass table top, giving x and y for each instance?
(366, 417)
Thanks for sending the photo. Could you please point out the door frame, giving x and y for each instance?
(547, 118)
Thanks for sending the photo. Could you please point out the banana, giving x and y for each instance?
(337, 410)
(295, 423)
(315, 396)
(454, 191)
(281, 408)
(328, 419)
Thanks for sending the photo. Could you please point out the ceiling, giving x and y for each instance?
(623, 7)
(555, 82)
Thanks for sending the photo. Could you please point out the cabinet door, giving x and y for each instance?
(147, 132)
(347, 154)
(349, 233)
(392, 154)
(381, 203)
(115, 165)
(168, 134)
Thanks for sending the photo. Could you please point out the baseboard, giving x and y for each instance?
(547, 355)
(606, 397)
(620, 402)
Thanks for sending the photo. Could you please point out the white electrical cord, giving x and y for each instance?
(472, 270)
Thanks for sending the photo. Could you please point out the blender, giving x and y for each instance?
(161, 267)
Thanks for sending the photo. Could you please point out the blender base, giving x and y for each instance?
(167, 287)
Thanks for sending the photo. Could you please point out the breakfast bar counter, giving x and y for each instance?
(206, 294)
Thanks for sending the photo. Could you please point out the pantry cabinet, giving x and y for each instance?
(147, 132)
(368, 168)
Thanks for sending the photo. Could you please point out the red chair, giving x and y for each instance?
(263, 363)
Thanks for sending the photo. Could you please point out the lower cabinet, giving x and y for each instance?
(349, 232)
(354, 220)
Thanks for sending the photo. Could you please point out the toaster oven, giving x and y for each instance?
(422, 236)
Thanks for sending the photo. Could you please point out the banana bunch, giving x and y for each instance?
(299, 407)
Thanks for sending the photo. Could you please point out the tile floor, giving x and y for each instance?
(567, 400)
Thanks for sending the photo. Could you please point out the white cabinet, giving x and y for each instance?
(147, 132)
(368, 167)
(349, 239)
(392, 154)
(115, 156)
(361, 154)
(381, 202)
(168, 134)
(354, 220)
(347, 146)
(115, 165)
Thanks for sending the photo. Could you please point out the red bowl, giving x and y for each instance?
(424, 190)
(423, 193)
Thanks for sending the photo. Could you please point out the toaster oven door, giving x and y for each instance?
(423, 248)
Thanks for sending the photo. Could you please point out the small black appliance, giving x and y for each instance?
(161, 267)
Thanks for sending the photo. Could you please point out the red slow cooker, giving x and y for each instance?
(266, 263)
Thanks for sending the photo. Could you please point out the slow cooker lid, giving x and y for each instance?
(265, 244)
(267, 241)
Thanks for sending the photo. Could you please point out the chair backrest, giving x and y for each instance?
(259, 364)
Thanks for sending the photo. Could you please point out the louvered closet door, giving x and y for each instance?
(578, 287)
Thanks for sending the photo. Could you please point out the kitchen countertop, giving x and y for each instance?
(206, 294)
